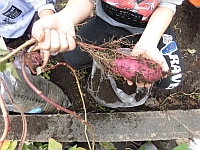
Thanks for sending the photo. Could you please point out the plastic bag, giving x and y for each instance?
(26, 98)
(101, 82)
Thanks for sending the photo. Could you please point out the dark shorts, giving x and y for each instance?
(98, 31)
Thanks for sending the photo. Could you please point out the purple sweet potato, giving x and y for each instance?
(120, 63)
(137, 69)
(32, 61)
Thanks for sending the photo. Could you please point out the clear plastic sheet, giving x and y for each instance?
(26, 98)
(123, 99)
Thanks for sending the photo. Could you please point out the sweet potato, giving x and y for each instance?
(118, 62)
(137, 69)
(32, 61)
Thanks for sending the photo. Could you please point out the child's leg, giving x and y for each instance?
(170, 51)
(95, 32)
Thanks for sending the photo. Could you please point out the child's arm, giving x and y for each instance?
(158, 23)
(77, 10)
(147, 45)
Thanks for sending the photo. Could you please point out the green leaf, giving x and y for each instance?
(73, 148)
(111, 111)
(6, 65)
(76, 28)
(182, 146)
(142, 147)
(53, 145)
(37, 144)
(9, 145)
(107, 146)
(2, 66)
(44, 147)
(102, 108)
(76, 148)
(80, 148)
(10, 67)
(5, 145)
(3, 48)
(38, 70)
(4, 52)
(12, 145)
(46, 75)
(25, 147)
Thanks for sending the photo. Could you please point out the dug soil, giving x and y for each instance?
(186, 26)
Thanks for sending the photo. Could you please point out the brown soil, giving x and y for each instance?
(187, 31)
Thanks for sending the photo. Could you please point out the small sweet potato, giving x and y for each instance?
(32, 61)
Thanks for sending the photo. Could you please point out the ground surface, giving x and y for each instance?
(186, 27)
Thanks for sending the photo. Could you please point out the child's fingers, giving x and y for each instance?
(45, 57)
(141, 85)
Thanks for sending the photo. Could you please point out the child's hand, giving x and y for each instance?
(150, 53)
(54, 33)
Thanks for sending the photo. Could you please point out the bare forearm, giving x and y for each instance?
(156, 26)
(77, 10)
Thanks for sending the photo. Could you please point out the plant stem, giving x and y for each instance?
(6, 120)
(24, 122)
(27, 43)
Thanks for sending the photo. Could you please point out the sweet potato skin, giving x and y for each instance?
(137, 69)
